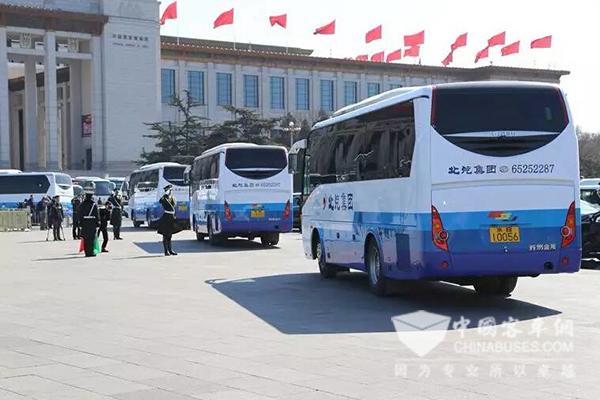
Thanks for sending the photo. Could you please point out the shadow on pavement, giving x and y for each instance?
(73, 257)
(194, 246)
(306, 304)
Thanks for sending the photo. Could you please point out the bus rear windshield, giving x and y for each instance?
(491, 121)
(256, 163)
(104, 188)
(174, 175)
(24, 184)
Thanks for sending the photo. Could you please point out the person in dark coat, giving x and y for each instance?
(56, 216)
(166, 225)
(116, 216)
(76, 203)
(104, 212)
(89, 220)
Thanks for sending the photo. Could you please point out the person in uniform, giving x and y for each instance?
(89, 219)
(116, 216)
(56, 216)
(166, 225)
(76, 203)
(104, 212)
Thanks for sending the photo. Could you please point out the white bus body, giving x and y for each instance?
(144, 205)
(241, 190)
(17, 187)
(474, 183)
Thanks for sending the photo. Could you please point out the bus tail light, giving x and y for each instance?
(438, 234)
(228, 214)
(568, 230)
(286, 211)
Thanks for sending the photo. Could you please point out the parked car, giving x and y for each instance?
(590, 228)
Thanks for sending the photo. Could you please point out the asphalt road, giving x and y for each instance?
(246, 322)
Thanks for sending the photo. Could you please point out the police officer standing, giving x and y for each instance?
(89, 219)
(166, 224)
(56, 216)
(116, 216)
(76, 203)
(104, 218)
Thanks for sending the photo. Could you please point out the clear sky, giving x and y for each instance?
(573, 24)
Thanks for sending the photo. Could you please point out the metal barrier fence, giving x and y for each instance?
(15, 219)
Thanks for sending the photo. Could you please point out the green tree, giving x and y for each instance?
(245, 126)
(177, 141)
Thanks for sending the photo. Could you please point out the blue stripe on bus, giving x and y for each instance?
(242, 221)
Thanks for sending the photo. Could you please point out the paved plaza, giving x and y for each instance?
(245, 322)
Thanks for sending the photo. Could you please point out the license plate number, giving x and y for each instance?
(183, 207)
(505, 234)
(257, 213)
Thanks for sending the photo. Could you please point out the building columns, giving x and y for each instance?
(4, 108)
(75, 114)
(31, 115)
(98, 156)
(50, 93)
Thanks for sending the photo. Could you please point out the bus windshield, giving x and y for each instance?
(24, 184)
(174, 175)
(104, 188)
(256, 163)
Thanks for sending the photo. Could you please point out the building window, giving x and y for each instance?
(277, 93)
(167, 83)
(395, 86)
(223, 89)
(326, 95)
(373, 89)
(251, 91)
(196, 86)
(350, 93)
(302, 94)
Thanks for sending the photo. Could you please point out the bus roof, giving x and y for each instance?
(160, 165)
(400, 95)
(218, 148)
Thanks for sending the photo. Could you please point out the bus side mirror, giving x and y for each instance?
(292, 163)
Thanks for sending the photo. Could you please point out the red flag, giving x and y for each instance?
(542, 43)
(378, 57)
(460, 41)
(394, 56)
(362, 57)
(280, 20)
(224, 19)
(374, 34)
(328, 29)
(170, 13)
(414, 40)
(512, 48)
(497, 40)
(413, 51)
(485, 53)
(449, 58)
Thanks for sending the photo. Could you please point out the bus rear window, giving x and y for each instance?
(24, 184)
(488, 120)
(174, 175)
(256, 163)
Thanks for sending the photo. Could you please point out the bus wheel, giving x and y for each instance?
(270, 239)
(136, 223)
(199, 236)
(495, 285)
(213, 238)
(326, 270)
(377, 281)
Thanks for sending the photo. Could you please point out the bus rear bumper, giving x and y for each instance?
(440, 265)
(246, 228)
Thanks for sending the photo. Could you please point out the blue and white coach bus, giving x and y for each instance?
(146, 188)
(472, 183)
(17, 187)
(241, 190)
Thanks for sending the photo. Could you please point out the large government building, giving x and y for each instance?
(79, 78)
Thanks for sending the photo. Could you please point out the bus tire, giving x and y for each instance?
(270, 239)
(378, 283)
(136, 223)
(199, 236)
(507, 285)
(326, 270)
(213, 238)
(495, 285)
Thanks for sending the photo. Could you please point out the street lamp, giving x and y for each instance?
(291, 129)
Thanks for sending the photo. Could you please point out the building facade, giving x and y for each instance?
(108, 72)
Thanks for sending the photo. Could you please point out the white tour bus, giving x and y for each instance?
(472, 183)
(17, 187)
(241, 190)
(146, 188)
(103, 187)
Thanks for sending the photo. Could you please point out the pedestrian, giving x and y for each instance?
(31, 205)
(116, 216)
(166, 225)
(56, 216)
(76, 203)
(89, 220)
(104, 212)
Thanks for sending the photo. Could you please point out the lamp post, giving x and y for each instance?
(291, 129)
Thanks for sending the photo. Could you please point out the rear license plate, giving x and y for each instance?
(257, 213)
(505, 234)
(183, 207)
